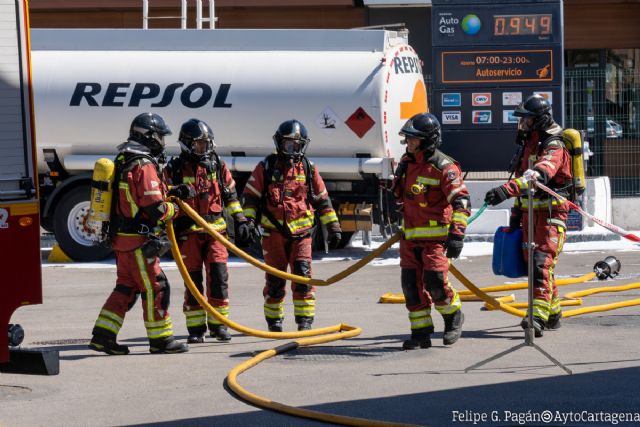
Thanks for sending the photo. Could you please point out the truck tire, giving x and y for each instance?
(47, 224)
(68, 227)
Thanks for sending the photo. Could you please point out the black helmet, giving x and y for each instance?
(424, 126)
(537, 107)
(291, 140)
(149, 129)
(195, 130)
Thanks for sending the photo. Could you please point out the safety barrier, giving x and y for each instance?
(614, 228)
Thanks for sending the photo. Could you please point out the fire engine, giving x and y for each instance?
(19, 205)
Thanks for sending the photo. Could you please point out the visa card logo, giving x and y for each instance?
(481, 117)
(481, 99)
(451, 117)
(451, 99)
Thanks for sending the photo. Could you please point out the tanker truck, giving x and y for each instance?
(353, 89)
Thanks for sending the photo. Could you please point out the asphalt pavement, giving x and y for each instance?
(368, 376)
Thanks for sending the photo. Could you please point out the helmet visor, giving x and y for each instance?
(291, 146)
(159, 138)
(202, 146)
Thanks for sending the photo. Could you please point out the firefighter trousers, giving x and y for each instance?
(137, 275)
(280, 252)
(198, 249)
(549, 237)
(424, 268)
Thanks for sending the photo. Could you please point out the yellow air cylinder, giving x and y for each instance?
(101, 196)
(573, 141)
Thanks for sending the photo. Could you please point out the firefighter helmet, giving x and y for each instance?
(291, 140)
(149, 129)
(538, 108)
(192, 131)
(426, 127)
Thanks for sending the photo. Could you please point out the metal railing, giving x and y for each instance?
(200, 19)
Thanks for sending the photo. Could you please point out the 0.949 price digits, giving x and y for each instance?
(521, 25)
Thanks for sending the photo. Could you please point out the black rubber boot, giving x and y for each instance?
(275, 325)
(420, 338)
(167, 346)
(219, 332)
(538, 325)
(195, 339)
(452, 327)
(554, 321)
(108, 345)
(304, 323)
(196, 334)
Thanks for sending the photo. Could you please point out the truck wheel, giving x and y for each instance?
(47, 224)
(68, 222)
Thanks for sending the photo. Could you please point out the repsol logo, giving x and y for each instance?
(406, 65)
(194, 95)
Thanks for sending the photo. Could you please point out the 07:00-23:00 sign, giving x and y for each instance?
(498, 60)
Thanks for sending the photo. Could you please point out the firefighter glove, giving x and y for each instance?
(245, 232)
(182, 191)
(495, 196)
(454, 245)
(155, 247)
(333, 239)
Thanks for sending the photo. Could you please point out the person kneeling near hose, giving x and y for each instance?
(435, 205)
(138, 209)
(286, 190)
(204, 182)
(539, 137)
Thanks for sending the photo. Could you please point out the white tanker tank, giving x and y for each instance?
(353, 89)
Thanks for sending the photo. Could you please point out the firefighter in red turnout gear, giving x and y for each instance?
(139, 208)
(287, 191)
(540, 139)
(435, 206)
(202, 179)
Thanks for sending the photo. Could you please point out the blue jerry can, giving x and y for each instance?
(508, 259)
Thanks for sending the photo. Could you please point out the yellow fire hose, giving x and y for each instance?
(503, 303)
(274, 271)
(343, 331)
(337, 332)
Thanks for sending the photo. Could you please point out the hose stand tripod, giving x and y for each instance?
(529, 332)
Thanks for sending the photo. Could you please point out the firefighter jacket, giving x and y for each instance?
(215, 191)
(290, 194)
(140, 204)
(432, 195)
(552, 161)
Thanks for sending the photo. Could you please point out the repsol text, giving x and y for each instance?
(406, 65)
(192, 95)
